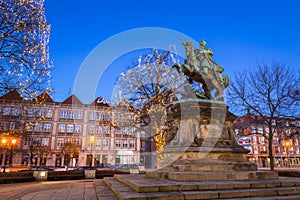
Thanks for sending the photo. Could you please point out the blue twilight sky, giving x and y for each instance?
(241, 33)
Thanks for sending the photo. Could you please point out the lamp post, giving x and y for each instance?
(287, 146)
(92, 140)
(10, 143)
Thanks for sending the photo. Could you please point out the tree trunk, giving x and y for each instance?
(270, 146)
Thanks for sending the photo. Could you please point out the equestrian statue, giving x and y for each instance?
(199, 67)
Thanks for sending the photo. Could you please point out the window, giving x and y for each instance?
(47, 127)
(70, 114)
(143, 134)
(15, 111)
(125, 144)
(118, 117)
(255, 150)
(260, 130)
(61, 128)
(106, 143)
(277, 150)
(29, 128)
(68, 140)
(79, 114)
(36, 141)
(98, 143)
(91, 129)
(125, 130)
(31, 112)
(106, 129)
(38, 127)
(12, 126)
(261, 140)
(77, 128)
(77, 141)
(98, 129)
(254, 140)
(262, 149)
(132, 129)
(99, 116)
(118, 131)
(49, 113)
(40, 112)
(60, 142)
(70, 128)
(92, 116)
(45, 141)
(118, 144)
(63, 114)
(27, 141)
(275, 140)
(106, 117)
(6, 111)
(5, 126)
(296, 141)
(132, 144)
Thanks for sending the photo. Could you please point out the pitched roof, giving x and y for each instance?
(12, 95)
(44, 97)
(100, 101)
(72, 100)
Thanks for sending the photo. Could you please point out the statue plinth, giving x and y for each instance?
(205, 144)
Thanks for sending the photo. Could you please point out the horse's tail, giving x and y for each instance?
(226, 81)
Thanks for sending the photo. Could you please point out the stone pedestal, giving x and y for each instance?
(205, 147)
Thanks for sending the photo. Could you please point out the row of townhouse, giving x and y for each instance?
(286, 145)
(43, 132)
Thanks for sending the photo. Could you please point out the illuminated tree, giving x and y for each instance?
(149, 91)
(23, 121)
(24, 53)
(70, 150)
(269, 92)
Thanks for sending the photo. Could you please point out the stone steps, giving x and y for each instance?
(213, 175)
(140, 187)
(289, 197)
(104, 192)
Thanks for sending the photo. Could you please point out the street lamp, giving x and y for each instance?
(287, 146)
(92, 140)
(4, 141)
(10, 143)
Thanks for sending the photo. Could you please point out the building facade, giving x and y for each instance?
(250, 130)
(69, 133)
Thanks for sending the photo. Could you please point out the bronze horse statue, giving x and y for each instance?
(199, 67)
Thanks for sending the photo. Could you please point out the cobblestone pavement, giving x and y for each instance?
(52, 190)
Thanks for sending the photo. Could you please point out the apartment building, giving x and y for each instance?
(69, 133)
(286, 142)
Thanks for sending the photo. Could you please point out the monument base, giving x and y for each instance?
(196, 159)
(217, 164)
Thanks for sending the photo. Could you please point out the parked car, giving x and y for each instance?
(41, 168)
(86, 168)
(104, 166)
(130, 167)
(4, 167)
